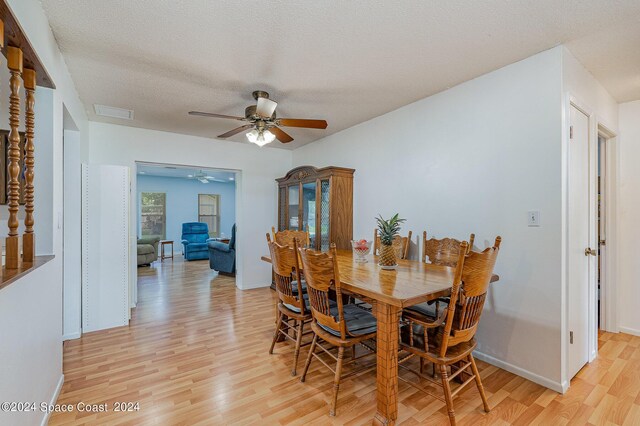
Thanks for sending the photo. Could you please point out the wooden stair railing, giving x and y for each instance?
(26, 69)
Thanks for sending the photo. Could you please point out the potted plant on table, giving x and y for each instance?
(388, 230)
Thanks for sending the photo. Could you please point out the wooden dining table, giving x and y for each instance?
(411, 283)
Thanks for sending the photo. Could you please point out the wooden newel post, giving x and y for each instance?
(14, 63)
(28, 239)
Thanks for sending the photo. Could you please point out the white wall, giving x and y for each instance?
(476, 158)
(627, 218)
(31, 349)
(31, 308)
(256, 207)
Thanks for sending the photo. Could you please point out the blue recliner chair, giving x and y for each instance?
(222, 257)
(195, 236)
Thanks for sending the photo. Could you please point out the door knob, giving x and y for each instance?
(589, 251)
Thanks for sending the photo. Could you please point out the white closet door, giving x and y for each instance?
(579, 261)
(105, 248)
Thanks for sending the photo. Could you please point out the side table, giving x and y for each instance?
(164, 243)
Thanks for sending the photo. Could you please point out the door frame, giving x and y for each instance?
(608, 290)
(597, 126)
(71, 234)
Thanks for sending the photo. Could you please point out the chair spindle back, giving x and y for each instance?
(286, 269)
(321, 272)
(442, 252)
(286, 237)
(469, 291)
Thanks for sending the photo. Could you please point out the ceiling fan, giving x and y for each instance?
(204, 178)
(261, 119)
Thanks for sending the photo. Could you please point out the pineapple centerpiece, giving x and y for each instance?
(388, 230)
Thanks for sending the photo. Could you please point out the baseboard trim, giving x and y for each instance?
(628, 330)
(54, 399)
(71, 336)
(252, 286)
(535, 378)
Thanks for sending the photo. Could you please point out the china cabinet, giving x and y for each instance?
(320, 201)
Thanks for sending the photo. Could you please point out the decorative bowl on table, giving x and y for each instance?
(361, 249)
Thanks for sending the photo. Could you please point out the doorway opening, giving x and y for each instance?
(169, 196)
(180, 211)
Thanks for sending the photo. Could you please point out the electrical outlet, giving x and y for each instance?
(533, 218)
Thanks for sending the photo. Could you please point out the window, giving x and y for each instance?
(209, 212)
(153, 223)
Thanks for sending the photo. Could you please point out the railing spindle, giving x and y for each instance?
(14, 63)
(28, 239)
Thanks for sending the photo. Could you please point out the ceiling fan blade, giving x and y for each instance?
(266, 107)
(209, 114)
(236, 131)
(281, 135)
(301, 122)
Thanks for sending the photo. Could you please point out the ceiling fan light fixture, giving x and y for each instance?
(260, 138)
(203, 180)
(252, 136)
(262, 116)
(268, 136)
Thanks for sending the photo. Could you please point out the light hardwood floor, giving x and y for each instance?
(196, 352)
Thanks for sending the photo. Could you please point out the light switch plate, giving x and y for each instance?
(533, 218)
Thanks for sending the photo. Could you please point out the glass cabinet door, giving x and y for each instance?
(309, 210)
(293, 207)
(282, 208)
(324, 215)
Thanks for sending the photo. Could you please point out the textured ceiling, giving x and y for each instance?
(343, 61)
(612, 55)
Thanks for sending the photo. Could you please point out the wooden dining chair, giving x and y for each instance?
(452, 342)
(400, 244)
(293, 300)
(286, 237)
(341, 326)
(443, 252)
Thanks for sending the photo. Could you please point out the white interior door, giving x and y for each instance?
(579, 230)
(105, 246)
